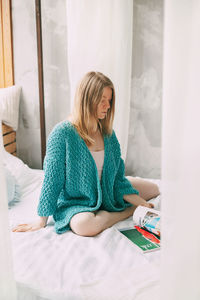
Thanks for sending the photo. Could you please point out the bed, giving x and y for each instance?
(67, 266)
(48, 266)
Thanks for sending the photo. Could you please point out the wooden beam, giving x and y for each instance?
(40, 78)
(6, 66)
(9, 139)
(6, 56)
(2, 83)
(11, 148)
(6, 129)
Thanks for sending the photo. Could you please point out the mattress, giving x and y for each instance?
(71, 267)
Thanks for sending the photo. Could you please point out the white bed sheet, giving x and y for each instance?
(71, 267)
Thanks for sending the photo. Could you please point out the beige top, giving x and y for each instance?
(99, 160)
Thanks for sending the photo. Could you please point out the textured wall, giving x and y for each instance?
(144, 143)
(56, 84)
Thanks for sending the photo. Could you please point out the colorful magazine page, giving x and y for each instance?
(138, 239)
(149, 235)
(147, 218)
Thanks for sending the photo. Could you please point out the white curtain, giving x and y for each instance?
(100, 39)
(181, 151)
(7, 283)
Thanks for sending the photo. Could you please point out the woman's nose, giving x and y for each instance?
(107, 104)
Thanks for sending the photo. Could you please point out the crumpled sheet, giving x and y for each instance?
(68, 266)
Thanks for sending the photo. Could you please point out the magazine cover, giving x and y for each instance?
(143, 243)
(146, 231)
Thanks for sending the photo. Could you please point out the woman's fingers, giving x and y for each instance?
(22, 228)
(148, 204)
(19, 229)
(33, 228)
(27, 227)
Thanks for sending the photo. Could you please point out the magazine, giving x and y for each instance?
(146, 231)
(147, 218)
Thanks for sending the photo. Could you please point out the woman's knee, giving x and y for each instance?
(147, 189)
(84, 224)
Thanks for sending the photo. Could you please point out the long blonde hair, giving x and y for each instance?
(88, 95)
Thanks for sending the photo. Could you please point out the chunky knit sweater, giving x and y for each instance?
(71, 182)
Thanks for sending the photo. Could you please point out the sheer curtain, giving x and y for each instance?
(100, 39)
(7, 283)
(181, 152)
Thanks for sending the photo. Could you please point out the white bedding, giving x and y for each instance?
(67, 266)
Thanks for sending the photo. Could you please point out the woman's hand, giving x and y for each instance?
(137, 200)
(147, 204)
(41, 223)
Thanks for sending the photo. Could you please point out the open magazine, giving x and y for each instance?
(146, 231)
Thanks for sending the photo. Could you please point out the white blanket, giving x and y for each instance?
(71, 267)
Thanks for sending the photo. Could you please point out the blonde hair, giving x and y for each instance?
(88, 95)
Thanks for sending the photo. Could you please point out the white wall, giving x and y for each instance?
(144, 142)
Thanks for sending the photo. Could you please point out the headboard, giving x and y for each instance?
(9, 139)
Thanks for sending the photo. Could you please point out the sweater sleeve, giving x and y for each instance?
(122, 184)
(54, 172)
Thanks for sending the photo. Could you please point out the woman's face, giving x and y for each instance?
(104, 104)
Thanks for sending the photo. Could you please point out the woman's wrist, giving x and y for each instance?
(43, 221)
(136, 200)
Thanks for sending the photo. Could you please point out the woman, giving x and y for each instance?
(84, 187)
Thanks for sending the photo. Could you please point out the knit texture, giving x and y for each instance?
(71, 182)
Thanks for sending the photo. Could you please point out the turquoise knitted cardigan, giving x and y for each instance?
(71, 183)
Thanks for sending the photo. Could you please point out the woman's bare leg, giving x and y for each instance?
(147, 190)
(90, 224)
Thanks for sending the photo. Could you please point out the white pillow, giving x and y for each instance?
(22, 173)
(9, 105)
(13, 192)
